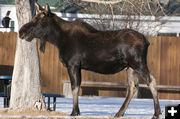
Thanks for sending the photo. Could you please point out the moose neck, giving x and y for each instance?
(57, 31)
(64, 26)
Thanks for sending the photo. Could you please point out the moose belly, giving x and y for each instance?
(105, 67)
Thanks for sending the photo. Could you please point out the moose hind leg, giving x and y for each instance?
(75, 78)
(133, 85)
(151, 86)
(150, 81)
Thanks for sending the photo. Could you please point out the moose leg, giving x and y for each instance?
(133, 85)
(157, 109)
(75, 77)
(149, 79)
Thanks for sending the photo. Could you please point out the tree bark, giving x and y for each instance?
(26, 90)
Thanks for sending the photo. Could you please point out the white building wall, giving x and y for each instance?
(3, 11)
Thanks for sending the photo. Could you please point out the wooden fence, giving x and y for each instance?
(163, 61)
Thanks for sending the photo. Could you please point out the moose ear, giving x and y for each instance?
(47, 8)
(38, 7)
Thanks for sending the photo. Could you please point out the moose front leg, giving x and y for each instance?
(75, 78)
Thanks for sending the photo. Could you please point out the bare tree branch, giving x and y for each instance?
(132, 13)
(104, 2)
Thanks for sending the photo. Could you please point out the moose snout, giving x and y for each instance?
(22, 34)
(25, 30)
(25, 34)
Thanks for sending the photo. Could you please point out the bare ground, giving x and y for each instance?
(31, 112)
(36, 114)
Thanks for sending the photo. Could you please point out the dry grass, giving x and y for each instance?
(31, 114)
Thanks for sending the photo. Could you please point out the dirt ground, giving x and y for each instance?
(34, 114)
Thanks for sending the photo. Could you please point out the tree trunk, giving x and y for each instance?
(26, 90)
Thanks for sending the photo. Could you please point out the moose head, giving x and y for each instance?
(38, 27)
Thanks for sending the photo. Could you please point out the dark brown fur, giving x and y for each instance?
(81, 46)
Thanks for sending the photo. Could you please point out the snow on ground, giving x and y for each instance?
(108, 106)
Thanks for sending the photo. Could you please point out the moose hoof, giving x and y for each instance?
(155, 117)
(118, 115)
(75, 113)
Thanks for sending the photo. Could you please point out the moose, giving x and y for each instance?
(81, 46)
